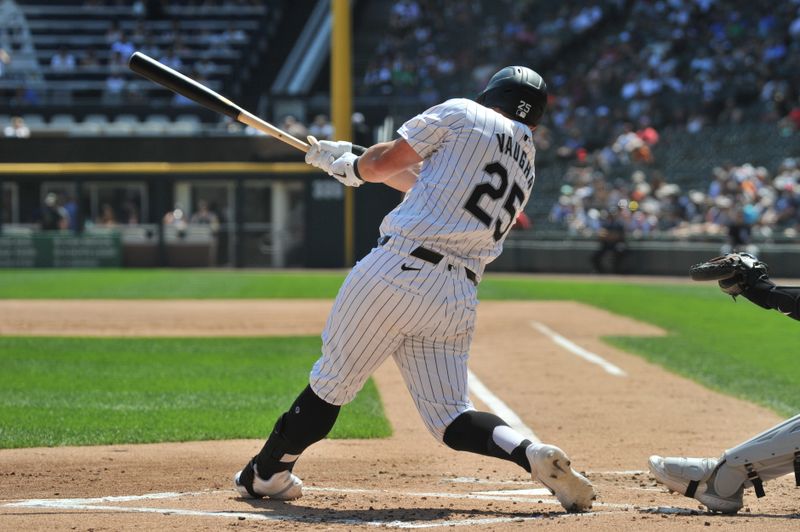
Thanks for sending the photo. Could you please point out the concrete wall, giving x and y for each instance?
(642, 258)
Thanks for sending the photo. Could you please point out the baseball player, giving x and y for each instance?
(719, 483)
(467, 168)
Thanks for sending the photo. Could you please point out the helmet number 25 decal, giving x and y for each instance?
(515, 197)
(523, 109)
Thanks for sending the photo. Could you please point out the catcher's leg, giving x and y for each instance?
(719, 483)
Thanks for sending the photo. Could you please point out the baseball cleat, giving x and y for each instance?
(281, 486)
(551, 466)
(694, 477)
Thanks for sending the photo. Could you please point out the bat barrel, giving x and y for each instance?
(175, 81)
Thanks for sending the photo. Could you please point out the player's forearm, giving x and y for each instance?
(785, 299)
(393, 161)
(402, 181)
(374, 167)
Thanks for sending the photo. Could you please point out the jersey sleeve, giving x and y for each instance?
(427, 131)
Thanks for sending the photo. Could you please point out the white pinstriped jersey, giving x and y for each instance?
(476, 178)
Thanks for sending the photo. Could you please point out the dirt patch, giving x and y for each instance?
(608, 424)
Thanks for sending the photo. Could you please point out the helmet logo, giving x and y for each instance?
(523, 109)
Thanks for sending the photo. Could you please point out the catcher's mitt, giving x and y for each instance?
(734, 271)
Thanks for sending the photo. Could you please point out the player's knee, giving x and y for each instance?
(439, 418)
(334, 390)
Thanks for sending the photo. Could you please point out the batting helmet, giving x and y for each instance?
(517, 91)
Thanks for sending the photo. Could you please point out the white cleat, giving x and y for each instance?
(693, 477)
(551, 466)
(281, 486)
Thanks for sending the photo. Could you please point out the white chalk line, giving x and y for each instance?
(578, 350)
(496, 405)
(474, 480)
(524, 496)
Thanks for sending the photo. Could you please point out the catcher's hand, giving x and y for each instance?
(736, 272)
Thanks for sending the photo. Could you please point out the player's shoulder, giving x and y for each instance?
(461, 106)
(459, 111)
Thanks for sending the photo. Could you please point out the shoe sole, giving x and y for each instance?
(573, 490)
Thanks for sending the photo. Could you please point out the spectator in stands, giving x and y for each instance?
(54, 217)
(113, 34)
(321, 127)
(291, 125)
(172, 59)
(123, 46)
(203, 215)
(89, 60)
(71, 208)
(25, 96)
(108, 217)
(17, 129)
(5, 59)
(115, 87)
(205, 67)
(233, 35)
(362, 135)
(175, 218)
(612, 241)
(62, 61)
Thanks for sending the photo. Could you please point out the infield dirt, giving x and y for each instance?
(608, 424)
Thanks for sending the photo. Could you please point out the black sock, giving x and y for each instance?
(308, 421)
(472, 432)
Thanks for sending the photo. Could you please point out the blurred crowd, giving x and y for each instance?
(740, 202)
(622, 65)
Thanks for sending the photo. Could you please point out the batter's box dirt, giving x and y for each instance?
(609, 425)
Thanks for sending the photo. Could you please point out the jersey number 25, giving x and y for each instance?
(515, 197)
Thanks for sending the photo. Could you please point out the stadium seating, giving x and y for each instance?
(206, 41)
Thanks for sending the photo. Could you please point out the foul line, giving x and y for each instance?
(510, 495)
(578, 350)
(497, 406)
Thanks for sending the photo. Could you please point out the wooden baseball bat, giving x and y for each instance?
(175, 81)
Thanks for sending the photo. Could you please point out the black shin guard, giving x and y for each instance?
(472, 432)
(308, 421)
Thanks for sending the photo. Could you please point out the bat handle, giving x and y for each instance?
(252, 120)
(358, 150)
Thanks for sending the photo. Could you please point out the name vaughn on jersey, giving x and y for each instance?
(510, 146)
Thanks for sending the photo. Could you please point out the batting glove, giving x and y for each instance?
(322, 153)
(345, 170)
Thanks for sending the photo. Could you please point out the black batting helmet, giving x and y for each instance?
(519, 92)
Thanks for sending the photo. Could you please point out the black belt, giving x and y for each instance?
(428, 255)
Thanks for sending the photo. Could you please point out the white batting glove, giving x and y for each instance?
(322, 153)
(344, 170)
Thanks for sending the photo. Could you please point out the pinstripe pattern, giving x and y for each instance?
(424, 318)
(457, 139)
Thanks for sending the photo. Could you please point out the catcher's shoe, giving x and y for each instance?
(551, 466)
(694, 477)
(281, 486)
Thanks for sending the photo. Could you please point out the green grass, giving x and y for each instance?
(79, 391)
(165, 284)
(739, 349)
